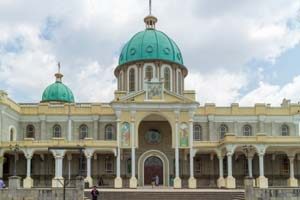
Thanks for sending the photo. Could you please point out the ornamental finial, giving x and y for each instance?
(150, 20)
(58, 75)
(150, 6)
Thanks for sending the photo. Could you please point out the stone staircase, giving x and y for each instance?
(170, 194)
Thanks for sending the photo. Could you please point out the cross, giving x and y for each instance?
(150, 7)
(58, 64)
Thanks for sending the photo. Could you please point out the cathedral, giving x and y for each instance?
(152, 128)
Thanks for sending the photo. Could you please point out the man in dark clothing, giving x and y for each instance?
(94, 193)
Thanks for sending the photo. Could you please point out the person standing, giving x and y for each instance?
(156, 180)
(94, 193)
(2, 185)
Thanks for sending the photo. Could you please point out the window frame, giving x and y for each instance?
(107, 132)
(287, 130)
(148, 73)
(131, 80)
(81, 136)
(223, 133)
(199, 132)
(57, 133)
(247, 132)
(30, 133)
(167, 78)
(109, 161)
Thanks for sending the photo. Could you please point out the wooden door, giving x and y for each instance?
(153, 166)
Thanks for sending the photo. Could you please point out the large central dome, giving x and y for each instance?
(150, 44)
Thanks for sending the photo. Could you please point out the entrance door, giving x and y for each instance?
(153, 166)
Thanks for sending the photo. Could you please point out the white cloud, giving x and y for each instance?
(87, 36)
(220, 87)
(270, 93)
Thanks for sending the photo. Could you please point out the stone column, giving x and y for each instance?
(69, 129)
(133, 180)
(88, 178)
(273, 131)
(292, 181)
(211, 127)
(235, 128)
(28, 181)
(58, 180)
(95, 127)
(43, 134)
(230, 180)
(192, 180)
(250, 174)
(221, 180)
(261, 123)
(177, 180)
(1, 166)
(261, 181)
(69, 156)
(118, 179)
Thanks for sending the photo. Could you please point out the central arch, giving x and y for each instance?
(159, 156)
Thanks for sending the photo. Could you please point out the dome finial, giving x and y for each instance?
(150, 20)
(150, 6)
(58, 75)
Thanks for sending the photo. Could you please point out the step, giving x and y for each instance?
(170, 194)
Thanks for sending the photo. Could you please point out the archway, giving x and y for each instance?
(154, 140)
(153, 167)
(156, 160)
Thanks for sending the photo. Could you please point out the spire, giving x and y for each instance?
(58, 75)
(150, 20)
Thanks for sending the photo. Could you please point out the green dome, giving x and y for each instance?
(150, 44)
(58, 92)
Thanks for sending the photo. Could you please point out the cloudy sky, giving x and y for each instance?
(243, 51)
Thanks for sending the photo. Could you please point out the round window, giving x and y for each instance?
(153, 136)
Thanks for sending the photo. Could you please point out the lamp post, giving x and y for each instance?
(15, 148)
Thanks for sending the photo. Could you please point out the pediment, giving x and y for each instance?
(166, 97)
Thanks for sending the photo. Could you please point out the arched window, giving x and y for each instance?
(149, 73)
(131, 80)
(56, 130)
(109, 132)
(83, 131)
(30, 131)
(247, 130)
(223, 130)
(167, 78)
(179, 82)
(121, 81)
(197, 133)
(284, 130)
(12, 133)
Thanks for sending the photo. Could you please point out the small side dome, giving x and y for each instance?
(58, 92)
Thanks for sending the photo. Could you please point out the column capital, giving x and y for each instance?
(28, 152)
(229, 153)
(261, 149)
(95, 117)
(291, 156)
(118, 114)
(211, 118)
(191, 114)
(177, 112)
(89, 152)
(58, 153)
